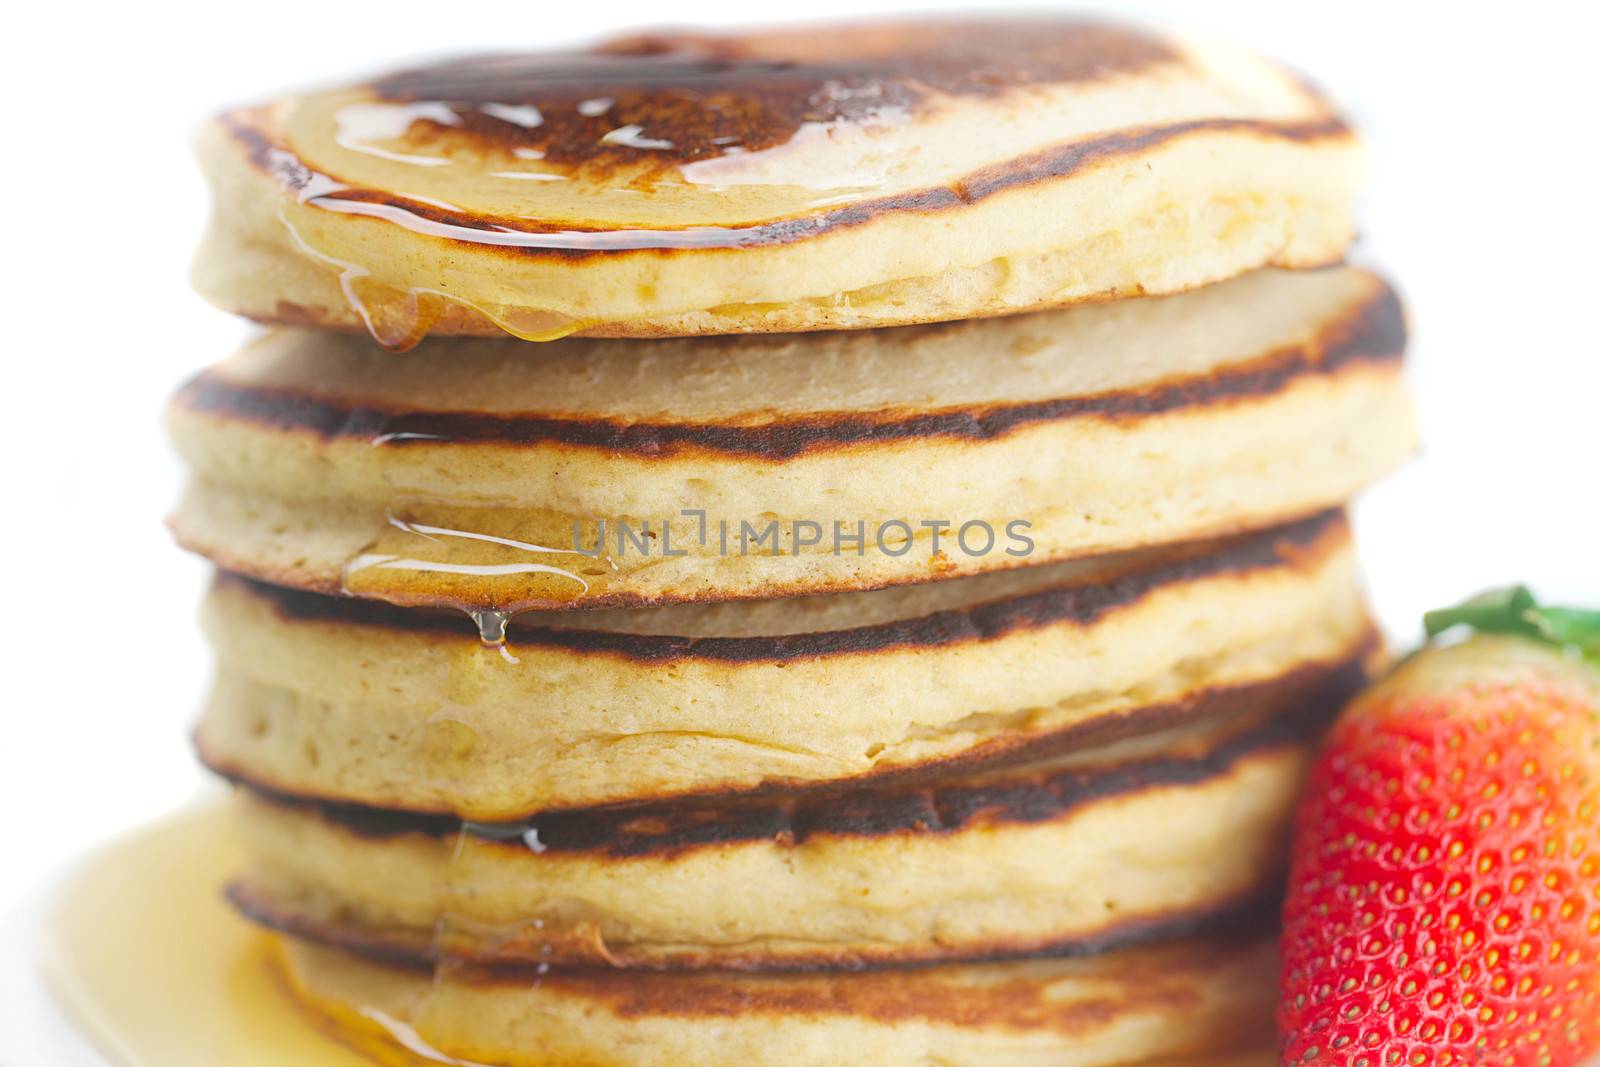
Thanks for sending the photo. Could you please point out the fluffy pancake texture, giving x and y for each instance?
(888, 615)
(1201, 1003)
(497, 474)
(1140, 838)
(872, 174)
(406, 709)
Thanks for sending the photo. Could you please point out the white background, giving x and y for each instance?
(1482, 205)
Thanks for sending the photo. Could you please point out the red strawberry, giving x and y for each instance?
(1444, 900)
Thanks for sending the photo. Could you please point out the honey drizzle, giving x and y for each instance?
(406, 1036)
(399, 319)
(491, 625)
(363, 574)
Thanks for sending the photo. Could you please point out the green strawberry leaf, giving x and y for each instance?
(1513, 610)
(1498, 611)
(1572, 627)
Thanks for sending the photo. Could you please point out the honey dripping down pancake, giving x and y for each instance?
(868, 174)
(499, 476)
(1142, 839)
(141, 926)
(1204, 1002)
(406, 709)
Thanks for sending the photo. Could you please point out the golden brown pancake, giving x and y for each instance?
(402, 708)
(824, 177)
(1138, 839)
(1200, 1003)
(511, 476)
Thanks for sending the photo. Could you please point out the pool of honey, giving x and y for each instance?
(156, 968)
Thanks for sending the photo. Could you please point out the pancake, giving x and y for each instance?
(509, 476)
(1205, 1003)
(1138, 839)
(402, 708)
(823, 177)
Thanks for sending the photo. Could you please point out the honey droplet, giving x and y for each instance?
(491, 623)
(396, 320)
(531, 324)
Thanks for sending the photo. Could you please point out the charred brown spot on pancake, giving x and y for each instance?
(1294, 544)
(997, 796)
(1165, 982)
(699, 96)
(1371, 332)
(581, 957)
(1309, 686)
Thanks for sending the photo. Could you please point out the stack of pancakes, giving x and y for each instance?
(870, 634)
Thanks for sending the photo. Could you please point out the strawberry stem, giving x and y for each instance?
(1513, 610)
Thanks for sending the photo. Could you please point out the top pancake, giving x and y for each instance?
(776, 180)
